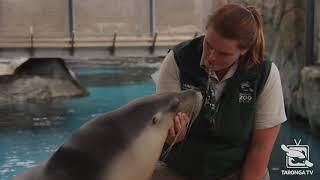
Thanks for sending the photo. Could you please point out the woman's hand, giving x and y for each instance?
(177, 133)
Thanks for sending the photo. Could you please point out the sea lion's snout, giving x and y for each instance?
(190, 102)
(193, 93)
(198, 93)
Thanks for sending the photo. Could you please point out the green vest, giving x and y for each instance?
(212, 153)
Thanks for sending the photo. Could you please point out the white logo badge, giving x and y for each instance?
(246, 87)
(245, 95)
(297, 156)
(297, 160)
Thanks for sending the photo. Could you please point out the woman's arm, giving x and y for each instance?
(270, 114)
(259, 151)
(169, 81)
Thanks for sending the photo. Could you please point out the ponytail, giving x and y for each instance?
(256, 52)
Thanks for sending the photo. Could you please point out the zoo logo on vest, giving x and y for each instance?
(245, 95)
(297, 158)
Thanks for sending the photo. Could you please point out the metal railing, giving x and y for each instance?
(113, 41)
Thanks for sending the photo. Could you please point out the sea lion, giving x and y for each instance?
(119, 145)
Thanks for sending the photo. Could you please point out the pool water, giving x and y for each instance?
(30, 133)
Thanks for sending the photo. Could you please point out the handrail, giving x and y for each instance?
(113, 47)
(31, 42)
(152, 47)
(76, 40)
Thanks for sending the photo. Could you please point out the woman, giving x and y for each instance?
(243, 107)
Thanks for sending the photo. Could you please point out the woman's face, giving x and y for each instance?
(219, 53)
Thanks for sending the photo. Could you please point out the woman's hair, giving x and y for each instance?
(243, 24)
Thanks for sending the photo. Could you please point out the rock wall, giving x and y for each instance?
(311, 93)
(284, 26)
(317, 31)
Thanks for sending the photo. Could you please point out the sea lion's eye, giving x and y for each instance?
(155, 120)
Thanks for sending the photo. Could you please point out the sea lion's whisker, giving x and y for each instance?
(188, 125)
(167, 151)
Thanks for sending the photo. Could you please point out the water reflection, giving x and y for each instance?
(110, 75)
(129, 76)
(31, 115)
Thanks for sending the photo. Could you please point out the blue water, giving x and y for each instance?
(38, 129)
(48, 124)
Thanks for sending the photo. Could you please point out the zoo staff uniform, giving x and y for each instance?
(244, 99)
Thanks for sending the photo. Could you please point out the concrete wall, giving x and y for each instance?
(44, 15)
(108, 16)
(103, 16)
(175, 16)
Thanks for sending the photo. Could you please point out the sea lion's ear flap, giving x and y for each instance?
(174, 104)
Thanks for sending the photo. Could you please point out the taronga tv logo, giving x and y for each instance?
(297, 159)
